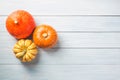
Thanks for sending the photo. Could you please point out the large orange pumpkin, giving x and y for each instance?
(45, 36)
(20, 24)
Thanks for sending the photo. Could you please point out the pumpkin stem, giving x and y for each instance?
(16, 22)
(45, 35)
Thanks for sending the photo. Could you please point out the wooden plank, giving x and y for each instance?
(67, 56)
(60, 72)
(62, 7)
(88, 47)
(76, 23)
(74, 40)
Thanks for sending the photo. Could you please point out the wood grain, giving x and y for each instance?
(62, 7)
(60, 72)
(88, 47)
(86, 24)
(74, 40)
(67, 57)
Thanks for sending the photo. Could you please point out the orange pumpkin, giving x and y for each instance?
(20, 24)
(45, 36)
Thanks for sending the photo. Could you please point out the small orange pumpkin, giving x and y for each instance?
(20, 24)
(45, 36)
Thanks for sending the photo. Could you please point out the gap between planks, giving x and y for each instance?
(72, 15)
(86, 48)
(32, 64)
(84, 31)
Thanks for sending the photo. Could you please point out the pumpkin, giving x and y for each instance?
(25, 50)
(20, 24)
(45, 36)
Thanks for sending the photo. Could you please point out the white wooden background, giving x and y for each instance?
(88, 47)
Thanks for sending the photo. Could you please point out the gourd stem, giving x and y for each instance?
(44, 35)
